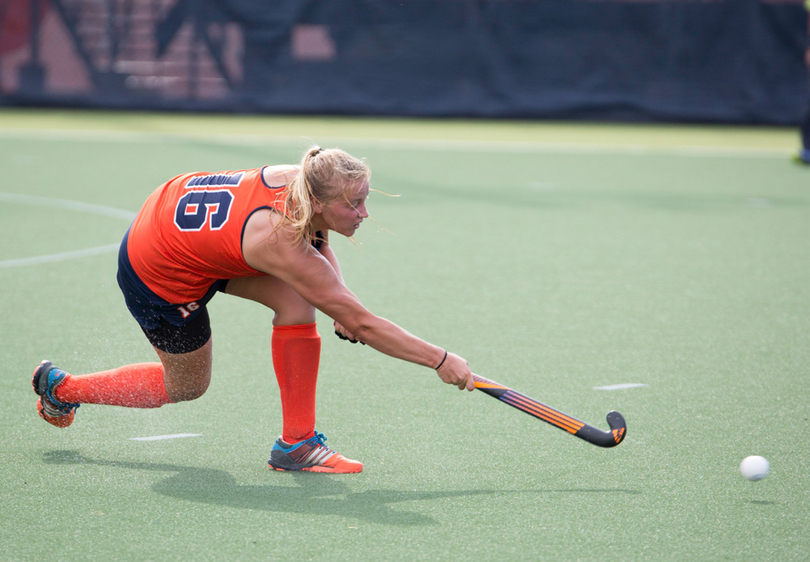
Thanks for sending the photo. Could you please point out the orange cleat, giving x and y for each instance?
(311, 456)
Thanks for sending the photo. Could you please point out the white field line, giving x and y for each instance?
(620, 386)
(72, 206)
(397, 144)
(67, 204)
(36, 260)
(162, 437)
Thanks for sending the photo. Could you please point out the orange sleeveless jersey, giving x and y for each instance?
(188, 234)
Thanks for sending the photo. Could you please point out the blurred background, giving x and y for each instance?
(710, 61)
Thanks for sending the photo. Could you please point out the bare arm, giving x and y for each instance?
(327, 252)
(313, 276)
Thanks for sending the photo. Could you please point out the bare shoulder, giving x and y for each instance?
(277, 176)
(267, 226)
(269, 240)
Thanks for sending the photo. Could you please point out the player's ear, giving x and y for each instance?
(317, 206)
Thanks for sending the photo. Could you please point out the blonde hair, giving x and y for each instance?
(322, 175)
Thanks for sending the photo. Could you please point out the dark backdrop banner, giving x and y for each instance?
(730, 61)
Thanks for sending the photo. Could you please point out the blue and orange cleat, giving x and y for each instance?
(311, 456)
(46, 379)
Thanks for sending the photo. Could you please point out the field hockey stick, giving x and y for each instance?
(591, 434)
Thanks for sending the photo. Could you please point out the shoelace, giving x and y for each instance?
(319, 452)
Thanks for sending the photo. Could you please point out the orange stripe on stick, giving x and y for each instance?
(542, 411)
(481, 382)
(489, 385)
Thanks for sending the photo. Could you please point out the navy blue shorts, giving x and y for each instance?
(171, 327)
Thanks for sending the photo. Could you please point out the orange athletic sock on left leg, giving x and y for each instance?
(132, 386)
(296, 356)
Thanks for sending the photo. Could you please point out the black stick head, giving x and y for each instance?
(617, 426)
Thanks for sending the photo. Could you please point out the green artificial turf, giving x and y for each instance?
(555, 258)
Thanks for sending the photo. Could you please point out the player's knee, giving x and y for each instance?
(295, 316)
(188, 392)
(185, 388)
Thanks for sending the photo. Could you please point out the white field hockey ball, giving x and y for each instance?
(754, 467)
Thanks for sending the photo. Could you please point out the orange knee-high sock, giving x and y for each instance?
(296, 355)
(133, 386)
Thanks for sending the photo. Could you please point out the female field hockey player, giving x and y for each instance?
(263, 235)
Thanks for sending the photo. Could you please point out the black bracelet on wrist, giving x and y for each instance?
(443, 358)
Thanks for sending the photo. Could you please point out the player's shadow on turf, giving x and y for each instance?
(312, 494)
